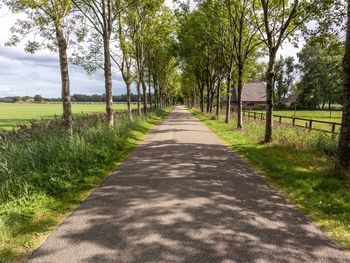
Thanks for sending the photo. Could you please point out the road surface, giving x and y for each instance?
(183, 196)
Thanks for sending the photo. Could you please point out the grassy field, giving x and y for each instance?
(300, 165)
(335, 116)
(12, 114)
(46, 173)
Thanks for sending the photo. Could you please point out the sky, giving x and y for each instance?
(24, 74)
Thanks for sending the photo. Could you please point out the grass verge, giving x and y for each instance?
(44, 174)
(299, 164)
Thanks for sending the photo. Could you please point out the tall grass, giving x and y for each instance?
(300, 164)
(294, 137)
(44, 172)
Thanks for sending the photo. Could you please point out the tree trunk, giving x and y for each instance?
(208, 98)
(202, 97)
(66, 99)
(160, 98)
(155, 88)
(343, 157)
(108, 81)
(218, 99)
(228, 97)
(149, 90)
(149, 96)
(239, 97)
(138, 83)
(269, 96)
(155, 95)
(128, 100)
(211, 101)
(144, 92)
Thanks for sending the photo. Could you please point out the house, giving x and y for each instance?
(253, 96)
(292, 98)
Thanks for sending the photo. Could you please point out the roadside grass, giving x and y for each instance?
(298, 163)
(13, 114)
(45, 173)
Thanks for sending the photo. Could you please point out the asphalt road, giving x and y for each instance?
(183, 196)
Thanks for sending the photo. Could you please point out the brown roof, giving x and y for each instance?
(251, 92)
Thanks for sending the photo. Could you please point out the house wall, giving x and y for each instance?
(247, 105)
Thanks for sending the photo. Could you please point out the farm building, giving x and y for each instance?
(253, 96)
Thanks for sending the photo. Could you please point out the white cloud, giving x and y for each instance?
(29, 74)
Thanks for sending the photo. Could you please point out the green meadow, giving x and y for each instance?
(334, 116)
(13, 114)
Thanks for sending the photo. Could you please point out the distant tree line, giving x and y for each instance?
(102, 98)
(75, 98)
(36, 98)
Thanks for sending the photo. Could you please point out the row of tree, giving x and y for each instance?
(133, 36)
(221, 44)
(217, 46)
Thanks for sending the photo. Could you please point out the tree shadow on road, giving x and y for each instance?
(166, 209)
(188, 202)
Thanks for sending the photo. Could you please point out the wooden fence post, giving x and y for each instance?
(333, 128)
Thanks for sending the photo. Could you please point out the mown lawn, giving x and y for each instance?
(334, 116)
(12, 114)
(45, 173)
(299, 163)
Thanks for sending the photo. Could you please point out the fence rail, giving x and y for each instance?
(324, 126)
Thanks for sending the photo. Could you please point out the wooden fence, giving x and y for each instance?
(324, 126)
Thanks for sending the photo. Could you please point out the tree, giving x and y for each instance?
(49, 20)
(343, 156)
(320, 66)
(281, 20)
(160, 52)
(190, 51)
(284, 78)
(140, 17)
(245, 43)
(38, 98)
(223, 37)
(126, 58)
(215, 67)
(101, 16)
